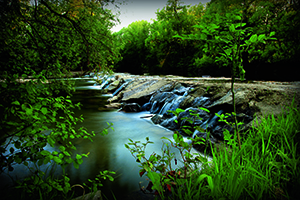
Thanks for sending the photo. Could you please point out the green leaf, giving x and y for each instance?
(237, 17)
(44, 110)
(272, 33)
(62, 148)
(232, 28)
(78, 156)
(261, 37)
(204, 109)
(15, 103)
(228, 52)
(50, 141)
(66, 153)
(69, 160)
(45, 153)
(57, 160)
(40, 162)
(80, 161)
(46, 160)
(253, 38)
(28, 111)
(76, 165)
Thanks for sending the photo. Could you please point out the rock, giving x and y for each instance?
(156, 119)
(170, 123)
(142, 92)
(172, 104)
(113, 105)
(167, 88)
(179, 89)
(158, 100)
(163, 97)
(155, 108)
(242, 97)
(147, 106)
(187, 102)
(201, 102)
(113, 86)
(187, 113)
(131, 107)
(197, 92)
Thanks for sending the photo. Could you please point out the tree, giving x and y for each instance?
(264, 17)
(229, 37)
(133, 49)
(172, 55)
(41, 41)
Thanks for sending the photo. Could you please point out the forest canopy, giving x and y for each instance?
(160, 53)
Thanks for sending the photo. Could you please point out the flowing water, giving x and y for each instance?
(108, 152)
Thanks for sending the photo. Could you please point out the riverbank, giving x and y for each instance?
(262, 98)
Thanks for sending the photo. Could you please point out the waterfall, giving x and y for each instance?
(171, 105)
(120, 88)
(105, 84)
(187, 91)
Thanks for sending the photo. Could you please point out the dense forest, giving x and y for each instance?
(152, 48)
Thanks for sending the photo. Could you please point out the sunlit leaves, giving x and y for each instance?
(253, 38)
(44, 110)
(15, 103)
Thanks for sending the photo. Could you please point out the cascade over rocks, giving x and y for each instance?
(159, 94)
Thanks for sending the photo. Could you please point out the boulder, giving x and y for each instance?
(113, 105)
(241, 97)
(156, 119)
(147, 106)
(201, 102)
(187, 102)
(179, 89)
(187, 113)
(115, 98)
(168, 87)
(113, 86)
(131, 107)
(142, 92)
(163, 97)
(197, 92)
(170, 123)
(159, 99)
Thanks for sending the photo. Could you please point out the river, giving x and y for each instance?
(108, 152)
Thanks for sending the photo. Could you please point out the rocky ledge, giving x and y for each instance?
(158, 94)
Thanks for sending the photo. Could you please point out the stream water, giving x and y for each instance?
(108, 152)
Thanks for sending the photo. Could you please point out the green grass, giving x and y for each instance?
(266, 167)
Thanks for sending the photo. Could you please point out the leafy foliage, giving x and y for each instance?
(167, 55)
(132, 44)
(40, 42)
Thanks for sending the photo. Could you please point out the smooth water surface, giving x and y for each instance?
(108, 152)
